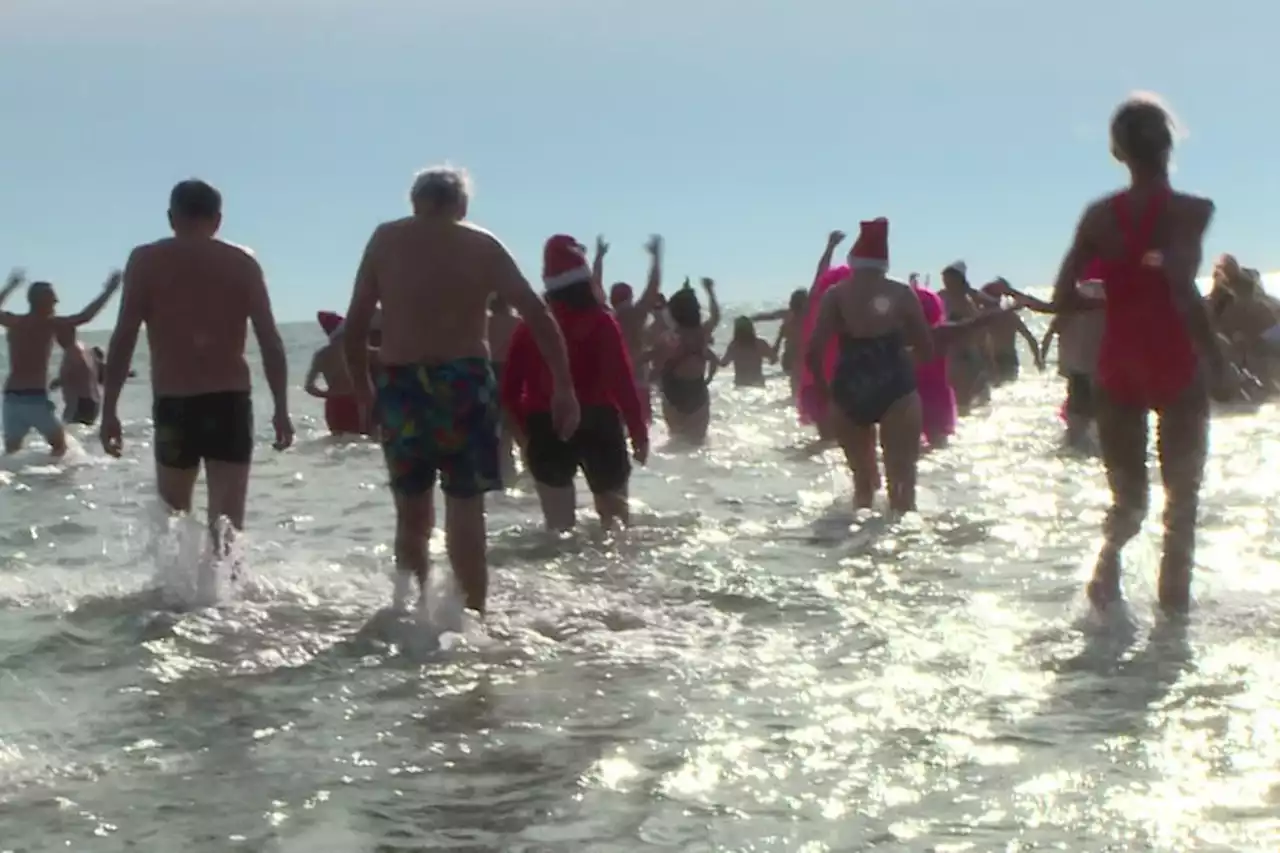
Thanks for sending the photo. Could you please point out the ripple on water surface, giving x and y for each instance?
(741, 672)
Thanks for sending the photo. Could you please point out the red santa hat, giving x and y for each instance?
(329, 321)
(871, 250)
(564, 262)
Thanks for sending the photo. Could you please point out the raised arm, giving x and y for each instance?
(597, 271)
(713, 308)
(15, 280)
(94, 308)
(835, 238)
(653, 287)
(275, 363)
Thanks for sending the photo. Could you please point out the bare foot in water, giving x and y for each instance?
(1104, 589)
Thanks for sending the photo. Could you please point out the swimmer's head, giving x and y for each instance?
(955, 277)
(744, 330)
(621, 295)
(685, 309)
(42, 298)
(498, 305)
(1142, 134)
(441, 191)
(195, 208)
(799, 302)
(99, 354)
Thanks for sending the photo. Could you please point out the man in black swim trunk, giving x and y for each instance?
(198, 295)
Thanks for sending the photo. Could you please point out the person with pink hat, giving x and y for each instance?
(604, 382)
(882, 332)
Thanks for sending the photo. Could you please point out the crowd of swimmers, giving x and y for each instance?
(459, 366)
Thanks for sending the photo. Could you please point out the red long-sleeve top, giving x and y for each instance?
(598, 360)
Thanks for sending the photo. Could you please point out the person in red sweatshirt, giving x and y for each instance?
(604, 382)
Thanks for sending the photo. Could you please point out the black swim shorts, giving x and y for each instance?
(215, 427)
(599, 448)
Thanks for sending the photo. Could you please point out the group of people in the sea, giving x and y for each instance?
(455, 361)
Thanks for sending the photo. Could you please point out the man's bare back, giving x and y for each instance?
(204, 291)
(434, 280)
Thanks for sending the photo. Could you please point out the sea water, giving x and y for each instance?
(751, 668)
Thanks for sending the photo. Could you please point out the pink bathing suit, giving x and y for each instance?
(813, 409)
(937, 398)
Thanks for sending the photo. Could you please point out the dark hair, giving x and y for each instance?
(685, 310)
(195, 199)
(38, 287)
(578, 295)
(799, 301)
(1142, 133)
(744, 331)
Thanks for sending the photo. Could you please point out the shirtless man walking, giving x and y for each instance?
(31, 337)
(433, 273)
(197, 295)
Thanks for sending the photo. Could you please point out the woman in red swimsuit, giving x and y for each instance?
(1158, 351)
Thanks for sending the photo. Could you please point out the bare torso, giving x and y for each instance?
(31, 340)
(195, 299)
(434, 280)
(501, 327)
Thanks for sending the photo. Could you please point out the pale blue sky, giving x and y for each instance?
(741, 130)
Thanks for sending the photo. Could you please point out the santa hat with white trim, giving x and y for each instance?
(871, 250)
(564, 262)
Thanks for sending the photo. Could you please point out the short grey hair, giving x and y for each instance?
(440, 188)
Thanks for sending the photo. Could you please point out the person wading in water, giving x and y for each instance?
(1158, 351)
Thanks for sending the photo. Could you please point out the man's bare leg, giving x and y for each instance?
(228, 486)
(176, 487)
(415, 519)
(465, 542)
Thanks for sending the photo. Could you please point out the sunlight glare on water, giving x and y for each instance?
(752, 668)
